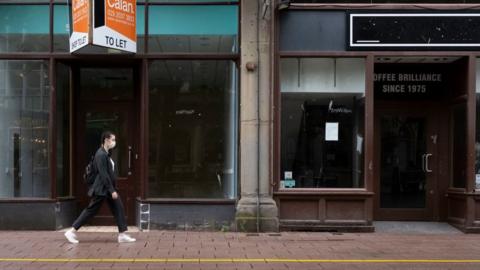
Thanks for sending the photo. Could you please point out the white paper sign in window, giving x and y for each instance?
(331, 131)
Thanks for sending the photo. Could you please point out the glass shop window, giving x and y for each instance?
(193, 28)
(477, 133)
(193, 129)
(24, 28)
(322, 122)
(24, 122)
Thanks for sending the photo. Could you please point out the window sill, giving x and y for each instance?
(323, 191)
(67, 198)
(24, 200)
(456, 190)
(462, 191)
(186, 201)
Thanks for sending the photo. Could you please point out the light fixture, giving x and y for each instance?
(283, 4)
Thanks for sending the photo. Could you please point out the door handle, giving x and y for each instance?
(426, 162)
(129, 160)
(423, 162)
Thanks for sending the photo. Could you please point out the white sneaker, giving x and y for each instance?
(125, 238)
(71, 236)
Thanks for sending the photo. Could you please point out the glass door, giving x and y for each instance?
(117, 119)
(106, 102)
(407, 157)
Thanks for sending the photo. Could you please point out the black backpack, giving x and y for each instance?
(90, 172)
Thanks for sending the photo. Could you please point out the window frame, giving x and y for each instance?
(235, 140)
(49, 170)
(278, 174)
(142, 57)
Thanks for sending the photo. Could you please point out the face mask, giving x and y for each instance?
(112, 145)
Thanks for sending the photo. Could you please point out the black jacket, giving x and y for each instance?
(105, 181)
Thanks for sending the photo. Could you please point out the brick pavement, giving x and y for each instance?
(197, 250)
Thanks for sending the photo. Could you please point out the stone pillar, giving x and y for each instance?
(256, 122)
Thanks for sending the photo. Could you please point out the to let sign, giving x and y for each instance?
(80, 24)
(115, 25)
(111, 24)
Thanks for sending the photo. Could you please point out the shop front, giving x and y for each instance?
(376, 116)
(173, 105)
(347, 115)
(420, 124)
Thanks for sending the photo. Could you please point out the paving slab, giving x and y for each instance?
(98, 249)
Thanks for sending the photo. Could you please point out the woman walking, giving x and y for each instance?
(103, 189)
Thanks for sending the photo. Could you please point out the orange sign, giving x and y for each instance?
(115, 24)
(107, 23)
(120, 17)
(80, 15)
(81, 24)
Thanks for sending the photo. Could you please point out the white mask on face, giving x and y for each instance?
(112, 145)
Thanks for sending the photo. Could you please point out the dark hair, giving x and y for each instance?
(106, 135)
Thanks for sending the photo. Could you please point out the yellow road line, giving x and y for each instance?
(228, 260)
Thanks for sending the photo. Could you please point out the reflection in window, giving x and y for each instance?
(63, 130)
(403, 146)
(322, 122)
(477, 133)
(191, 1)
(106, 83)
(322, 140)
(140, 28)
(193, 29)
(24, 28)
(24, 112)
(192, 129)
(477, 140)
(459, 133)
(61, 28)
(477, 143)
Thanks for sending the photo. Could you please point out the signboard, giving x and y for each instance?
(288, 182)
(410, 81)
(115, 24)
(80, 24)
(331, 131)
(415, 31)
(106, 23)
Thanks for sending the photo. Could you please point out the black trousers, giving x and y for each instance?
(116, 207)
